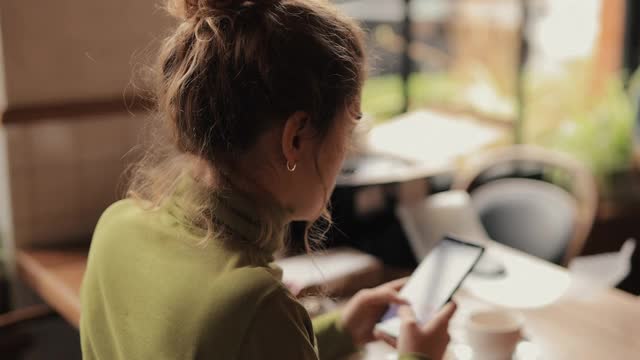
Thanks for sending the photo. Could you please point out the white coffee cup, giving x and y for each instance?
(493, 335)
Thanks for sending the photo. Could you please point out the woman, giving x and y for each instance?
(260, 99)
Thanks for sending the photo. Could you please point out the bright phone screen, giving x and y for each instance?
(434, 281)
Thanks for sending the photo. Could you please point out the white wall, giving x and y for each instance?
(63, 173)
(566, 30)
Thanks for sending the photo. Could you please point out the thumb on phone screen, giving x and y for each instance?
(430, 339)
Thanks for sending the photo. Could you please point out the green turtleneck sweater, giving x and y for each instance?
(153, 291)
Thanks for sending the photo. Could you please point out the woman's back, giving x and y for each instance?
(157, 294)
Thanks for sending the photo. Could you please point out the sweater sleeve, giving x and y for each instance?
(333, 341)
(281, 329)
(413, 357)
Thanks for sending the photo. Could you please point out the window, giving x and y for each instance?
(466, 56)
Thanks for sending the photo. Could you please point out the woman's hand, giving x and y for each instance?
(365, 309)
(430, 339)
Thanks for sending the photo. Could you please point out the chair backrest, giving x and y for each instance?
(529, 215)
(532, 215)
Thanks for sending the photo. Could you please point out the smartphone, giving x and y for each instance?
(434, 282)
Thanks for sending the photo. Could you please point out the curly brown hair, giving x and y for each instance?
(233, 69)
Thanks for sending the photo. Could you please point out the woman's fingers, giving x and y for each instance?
(398, 300)
(383, 296)
(379, 335)
(396, 284)
(442, 318)
(407, 316)
(430, 340)
(391, 296)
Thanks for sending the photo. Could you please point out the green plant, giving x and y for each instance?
(562, 111)
(599, 133)
(382, 95)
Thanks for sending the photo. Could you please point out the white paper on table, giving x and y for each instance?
(310, 270)
(434, 138)
(528, 281)
(601, 270)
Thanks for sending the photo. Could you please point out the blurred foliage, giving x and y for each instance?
(382, 96)
(567, 114)
(562, 111)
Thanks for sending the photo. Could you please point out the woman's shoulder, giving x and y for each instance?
(253, 294)
(129, 215)
(251, 315)
(257, 292)
(120, 212)
(127, 224)
(272, 320)
(259, 286)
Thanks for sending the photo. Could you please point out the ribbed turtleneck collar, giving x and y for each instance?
(251, 225)
(261, 227)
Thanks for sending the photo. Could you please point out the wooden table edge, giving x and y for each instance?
(58, 294)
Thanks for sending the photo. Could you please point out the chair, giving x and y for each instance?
(519, 208)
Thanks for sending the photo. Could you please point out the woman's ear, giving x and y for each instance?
(295, 134)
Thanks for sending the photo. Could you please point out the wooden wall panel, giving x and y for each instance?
(68, 51)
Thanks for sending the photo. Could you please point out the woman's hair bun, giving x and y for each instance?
(187, 9)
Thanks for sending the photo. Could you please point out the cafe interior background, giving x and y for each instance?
(509, 120)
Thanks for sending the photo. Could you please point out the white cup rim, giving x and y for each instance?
(515, 325)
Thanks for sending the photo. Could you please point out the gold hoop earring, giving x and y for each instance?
(291, 168)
